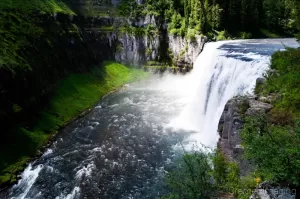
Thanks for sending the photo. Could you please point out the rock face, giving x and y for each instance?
(230, 127)
(137, 49)
(186, 51)
(231, 124)
(256, 106)
(132, 41)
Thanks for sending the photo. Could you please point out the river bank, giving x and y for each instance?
(74, 94)
(260, 132)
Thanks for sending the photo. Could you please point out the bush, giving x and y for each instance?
(204, 175)
(191, 34)
(285, 80)
(281, 117)
(243, 105)
(246, 35)
(191, 178)
(222, 35)
(274, 149)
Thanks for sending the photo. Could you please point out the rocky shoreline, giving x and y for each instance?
(231, 125)
(230, 143)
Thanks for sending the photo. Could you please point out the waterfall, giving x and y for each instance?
(222, 70)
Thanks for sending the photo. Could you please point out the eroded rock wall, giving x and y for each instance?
(230, 128)
(186, 51)
(231, 125)
(137, 49)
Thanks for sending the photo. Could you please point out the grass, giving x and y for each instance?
(75, 94)
(42, 6)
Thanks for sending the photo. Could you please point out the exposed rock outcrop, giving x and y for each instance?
(184, 50)
(230, 127)
(231, 124)
(256, 107)
(113, 41)
(140, 44)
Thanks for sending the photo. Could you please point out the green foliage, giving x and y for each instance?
(191, 34)
(191, 179)
(74, 94)
(130, 9)
(227, 177)
(42, 6)
(151, 31)
(223, 35)
(204, 175)
(16, 108)
(132, 30)
(285, 81)
(243, 105)
(273, 141)
(267, 33)
(246, 35)
(148, 52)
(273, 148)
(15, 28)
(219, 171)
(196, 18)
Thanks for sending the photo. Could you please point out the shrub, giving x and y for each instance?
(274, 149)
(191, 178)
(204, 175)
(222, 35)
(243, 105)
(281, 117)
(285, 80)
(191, 34)
(246, 35)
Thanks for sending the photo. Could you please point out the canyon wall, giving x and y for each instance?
(138, 48)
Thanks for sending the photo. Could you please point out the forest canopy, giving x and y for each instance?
(191, 17)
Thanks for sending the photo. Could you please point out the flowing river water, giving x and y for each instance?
(122, 148)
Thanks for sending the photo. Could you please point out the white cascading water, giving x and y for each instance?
(28, 177)
(214, 80)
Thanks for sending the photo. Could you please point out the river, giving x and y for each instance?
(122, 148)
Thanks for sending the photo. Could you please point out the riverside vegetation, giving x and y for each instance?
(276, 147)
(74, 94)
(49, 75)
